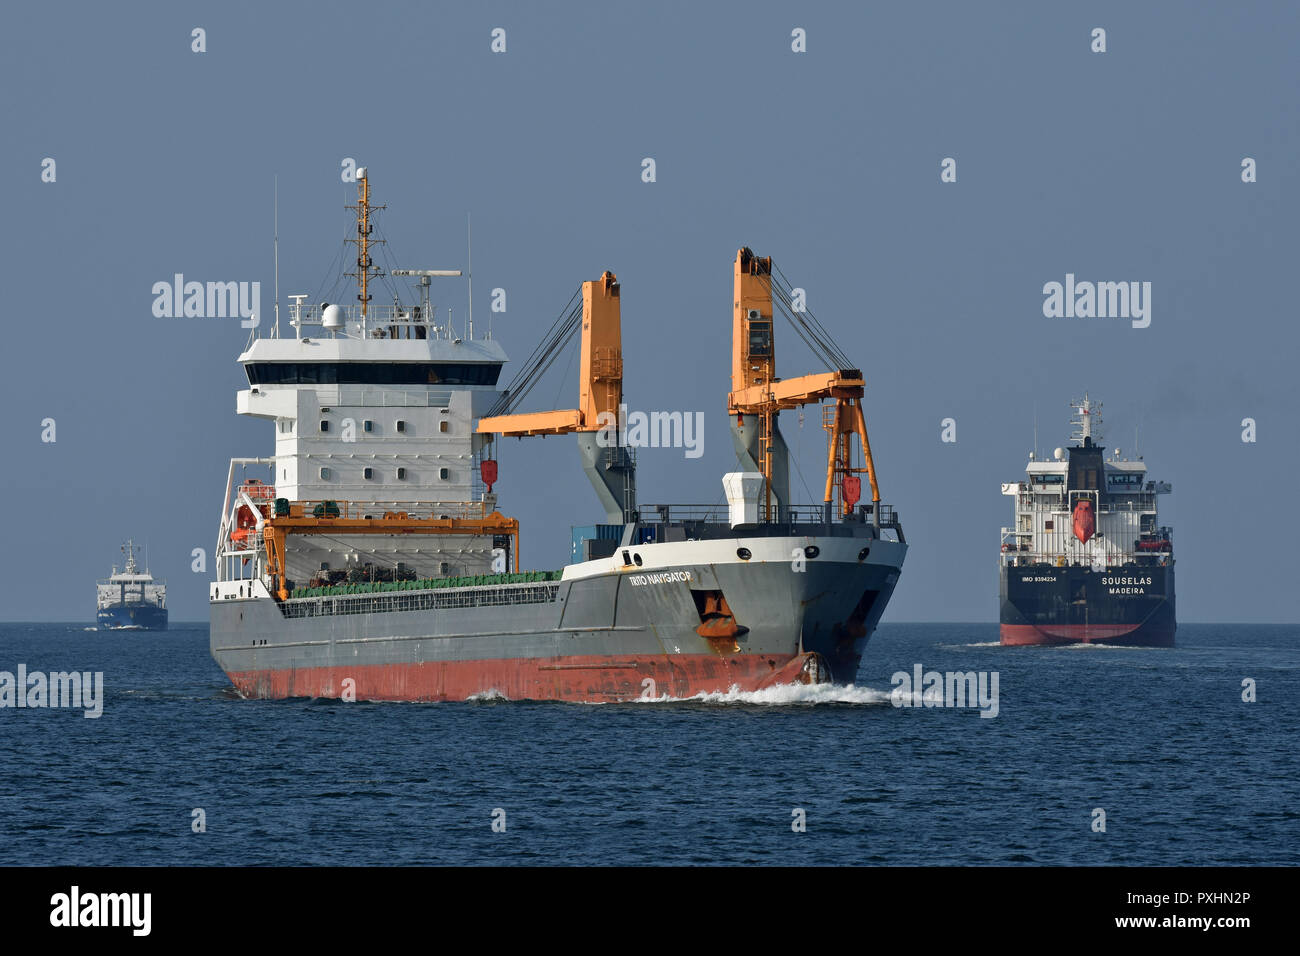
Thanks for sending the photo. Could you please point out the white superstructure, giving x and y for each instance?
(130, 586)
(386, 421)
(1117, 491)
(373, 409)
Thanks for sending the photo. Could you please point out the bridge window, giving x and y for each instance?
(373, 373)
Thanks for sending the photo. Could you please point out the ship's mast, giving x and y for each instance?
(275, 332)
(469, 265)
(1087, 420)
(129, 549)
(365, 267)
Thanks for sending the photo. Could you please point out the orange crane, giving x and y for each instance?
(756, 391)
(609, 464)
(295, 520)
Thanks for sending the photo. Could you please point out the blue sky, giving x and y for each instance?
(1115, 166)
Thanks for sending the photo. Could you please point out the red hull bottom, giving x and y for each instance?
(585, 679)
(1132, 635)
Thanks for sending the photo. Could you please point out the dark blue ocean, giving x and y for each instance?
(1186, 772)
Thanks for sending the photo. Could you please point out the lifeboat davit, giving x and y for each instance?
(1085, 522)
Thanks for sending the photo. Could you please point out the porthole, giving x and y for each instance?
(744, 554)
(862, 555)
(637, 559)
(811, 551)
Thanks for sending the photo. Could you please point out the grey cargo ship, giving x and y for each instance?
(369, 559)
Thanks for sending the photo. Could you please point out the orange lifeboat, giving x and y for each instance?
(245, 522)
(1085, 522)
(851, 490)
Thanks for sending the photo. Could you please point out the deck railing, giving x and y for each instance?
(339, 508)
(499, 595)
(791, 514)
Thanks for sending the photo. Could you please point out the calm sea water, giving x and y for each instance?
(1186, 772)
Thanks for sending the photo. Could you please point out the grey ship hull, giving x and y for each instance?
(607, 632)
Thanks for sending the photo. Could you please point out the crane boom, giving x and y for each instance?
(759, 444)
(804, 390)
(600, 372)
(756, 391)
(609, 464)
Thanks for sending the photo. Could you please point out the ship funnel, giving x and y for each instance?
(743, 489)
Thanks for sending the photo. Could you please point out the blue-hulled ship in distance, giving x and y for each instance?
(1087, 560)
(131, 600)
